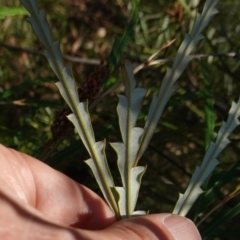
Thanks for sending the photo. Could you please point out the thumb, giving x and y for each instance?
(150, 227)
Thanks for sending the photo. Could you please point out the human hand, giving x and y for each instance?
(38, 202)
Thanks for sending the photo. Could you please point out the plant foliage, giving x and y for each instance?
(204, 188)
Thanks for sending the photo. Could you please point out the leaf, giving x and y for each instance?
(128, 109)
(11, 11)
(120, 149)
(102, 173)
(129, 106)
(84, 129)
(209, 163)
(57, 57)
(120, 195)
(208, 109)
(120, 43)
(124, 120)
(41, 29)
(180, 62)
(69, 90)
(136, 175)
(80, 116)
(214, 185)
(31, 6)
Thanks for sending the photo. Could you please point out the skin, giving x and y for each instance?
(40, 203)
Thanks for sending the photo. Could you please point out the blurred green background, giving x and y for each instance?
(86, 29)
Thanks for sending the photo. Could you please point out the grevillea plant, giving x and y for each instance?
(122, 199)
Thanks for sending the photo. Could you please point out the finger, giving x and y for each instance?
(155, 226)
(58, 198)
(151, 227)
(22, 223)
(26, 225)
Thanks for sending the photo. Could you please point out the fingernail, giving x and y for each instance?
(181, 228)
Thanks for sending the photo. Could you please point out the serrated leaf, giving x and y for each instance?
(209, 163)
(85, 127)
(180, 62)
(213, 187)
(151, 110)
(126, 121)
(129, 106)
(101, 172)
(121, 200)
(128, 109)
(128, 78)
(80, 116)
(52, 60)
(208, 11)
(120, 149)
(166, 85)
(136, 176)
(155, 111)
(122, 116)
(42, 30)
(136, 134)
(69, 91)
